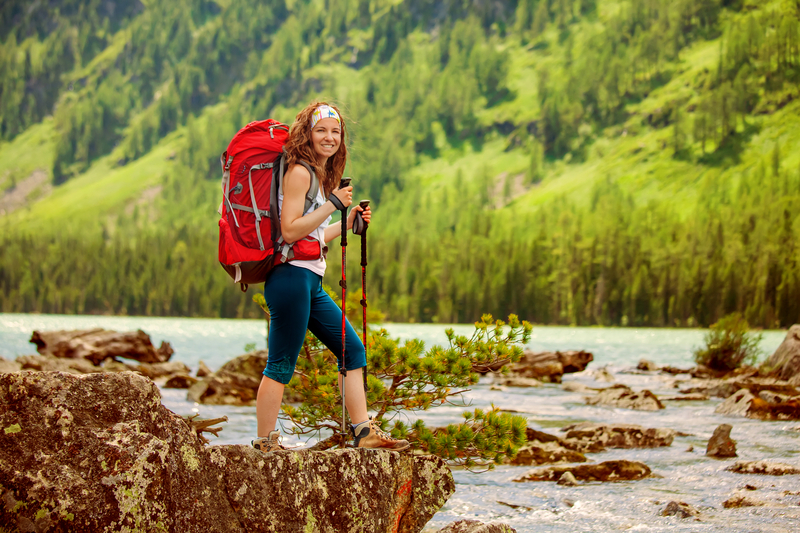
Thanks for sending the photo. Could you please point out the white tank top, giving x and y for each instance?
(316, 266)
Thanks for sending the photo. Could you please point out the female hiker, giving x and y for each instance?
(294, 291)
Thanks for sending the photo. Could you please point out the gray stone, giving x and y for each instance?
(99, 452)
(720, 444)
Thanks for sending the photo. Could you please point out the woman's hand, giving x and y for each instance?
(366, 214)
(344, 195)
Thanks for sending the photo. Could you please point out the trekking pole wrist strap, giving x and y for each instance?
(336, 202)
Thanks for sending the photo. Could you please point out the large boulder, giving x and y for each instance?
(744, 403)
(587, 436)
(785, 362)
(624, 397)
(99, 452)
(550, 366)
(99, 344)
(620, 470)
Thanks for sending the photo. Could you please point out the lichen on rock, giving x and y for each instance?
(129, 464)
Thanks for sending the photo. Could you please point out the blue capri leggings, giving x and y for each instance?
(296, 303)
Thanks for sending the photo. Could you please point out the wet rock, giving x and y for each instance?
(9, 366)
(516, 506)
(742, 500)
(785, 362)
(620, 470)
(675, 370)
(624, 397)
(96, 345)
(546, 453)
(721, 444)
(159, 370)
(550, 366)
(110, 365)
(727, 387)
(766, 468)
(744, 403)
(588, 435)
(576, 386)
(203, 370)
(236, 383)
(45, 363)
(99, 452)
(180, 381)
(603, 375)
(647, 365)
(692, 397)
(567, 479)
(773, 397)
(475, 526)
(679, 509)
(511, 381)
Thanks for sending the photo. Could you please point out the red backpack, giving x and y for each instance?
(250, 242)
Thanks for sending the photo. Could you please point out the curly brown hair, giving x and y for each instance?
(299, 148)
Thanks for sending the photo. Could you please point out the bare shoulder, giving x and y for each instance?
(297, 176)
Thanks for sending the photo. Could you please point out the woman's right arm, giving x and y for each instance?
(295, 226)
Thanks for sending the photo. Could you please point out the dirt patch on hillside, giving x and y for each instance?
(145, 199)
(35, 186)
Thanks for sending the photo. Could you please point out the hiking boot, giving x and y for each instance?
(269, 443)
(369, 435)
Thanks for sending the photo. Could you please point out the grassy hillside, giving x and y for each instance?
(610, 162)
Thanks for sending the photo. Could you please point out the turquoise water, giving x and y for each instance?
(545, 507)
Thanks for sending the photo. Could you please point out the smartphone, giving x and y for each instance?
(345, 182)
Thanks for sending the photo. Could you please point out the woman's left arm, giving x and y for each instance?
(335, 230)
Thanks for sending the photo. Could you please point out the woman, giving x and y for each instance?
(294, 289)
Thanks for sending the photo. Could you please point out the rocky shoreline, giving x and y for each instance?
(568, 459)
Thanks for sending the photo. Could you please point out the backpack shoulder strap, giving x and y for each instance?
(311, 194)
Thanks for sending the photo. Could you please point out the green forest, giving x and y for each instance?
(576, 162)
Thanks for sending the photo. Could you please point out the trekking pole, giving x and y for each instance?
(360, 228)
(343, 283)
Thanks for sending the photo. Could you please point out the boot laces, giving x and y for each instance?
(382, 433)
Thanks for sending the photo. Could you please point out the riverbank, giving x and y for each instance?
(541, 507)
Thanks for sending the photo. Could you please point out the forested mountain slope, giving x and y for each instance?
(625, 162)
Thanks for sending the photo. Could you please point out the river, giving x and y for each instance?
(681, 475)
